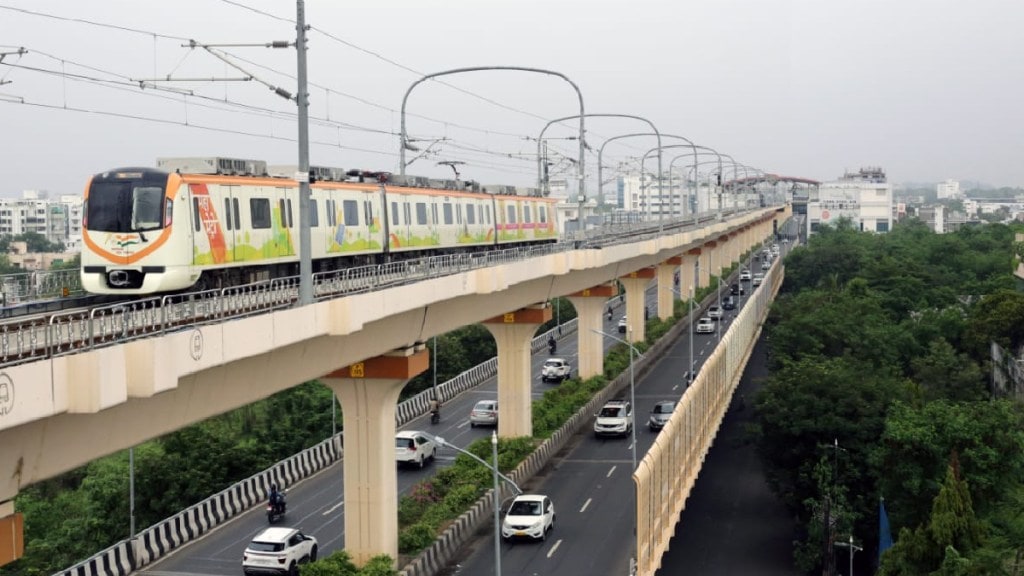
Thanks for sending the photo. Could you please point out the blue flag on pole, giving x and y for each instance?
(884, 534)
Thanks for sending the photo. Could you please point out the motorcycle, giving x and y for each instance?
(276, 512)
(552, 346)
(435, 416)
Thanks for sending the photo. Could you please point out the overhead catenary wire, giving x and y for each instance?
(246, 108)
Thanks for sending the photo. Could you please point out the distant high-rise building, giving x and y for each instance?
(950, 189)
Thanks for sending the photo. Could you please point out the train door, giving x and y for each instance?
(287, 235)
(233, 234)
(406, 219)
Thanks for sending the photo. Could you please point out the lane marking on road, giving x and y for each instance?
(610, 472)
(585, 504)
(553, 548)
(333, 508)
(463, 425)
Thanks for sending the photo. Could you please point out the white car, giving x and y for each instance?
(714, 312)
(278, 551)
(412, 447)
(529, 516)
(705, 326)
(614, 419)
(758, 278)
(555, 370)
(744, 275)
(623, 324)
(485, 413)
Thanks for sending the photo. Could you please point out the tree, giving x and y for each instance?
(945, 374)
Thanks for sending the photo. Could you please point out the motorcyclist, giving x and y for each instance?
(552, 344)
(276, 499)
(435, 409)
(609, 313)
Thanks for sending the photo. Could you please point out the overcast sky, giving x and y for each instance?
(926, 89)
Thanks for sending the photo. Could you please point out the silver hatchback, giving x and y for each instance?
(485, 413)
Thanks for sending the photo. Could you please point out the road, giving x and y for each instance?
(591, 487)
(316, 504)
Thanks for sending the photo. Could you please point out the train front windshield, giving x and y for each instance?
(127, 205)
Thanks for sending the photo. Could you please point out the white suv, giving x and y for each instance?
(278, 551)
(614, 419)
(412, 447)
(555, 370)
(705, 326)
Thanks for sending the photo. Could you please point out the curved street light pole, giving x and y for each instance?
(600, 187)
(696, 163)
(696, 183)
(579, 95)
(600, 153)
(496, 495)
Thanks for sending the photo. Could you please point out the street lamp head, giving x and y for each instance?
(440, 441)
(494, 438)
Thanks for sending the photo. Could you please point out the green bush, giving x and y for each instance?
(462, 497)
(416, 537)
(337, 564)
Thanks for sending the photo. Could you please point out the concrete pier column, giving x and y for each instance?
(667, 289)
(636, 284)
(735, 247)
(591, 309)
(12, 533)
(368, 392)
(707, 257)
(513, 333)
(687, 273)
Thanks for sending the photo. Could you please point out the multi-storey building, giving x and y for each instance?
(863, 197)
(950, 189)
(59, 221)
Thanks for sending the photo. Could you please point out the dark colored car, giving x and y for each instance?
(737, 289)
(728, 303)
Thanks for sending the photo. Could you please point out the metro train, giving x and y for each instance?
(206, 223)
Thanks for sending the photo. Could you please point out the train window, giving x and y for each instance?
(259, 211)
(234, 204)
(543, 213)
(196, 222)
(147, 208)
(447, 213)
(470, 214)
(394, 214)
(526, 214)
(351, 212)
(421, 213)
(314, 217)
(511, 215)
(227, 213)
(280, 209)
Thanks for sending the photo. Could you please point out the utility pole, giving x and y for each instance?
(305, 253)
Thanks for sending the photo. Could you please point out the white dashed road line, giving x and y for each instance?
(553, 548)
(585, 504)
(609, 475)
